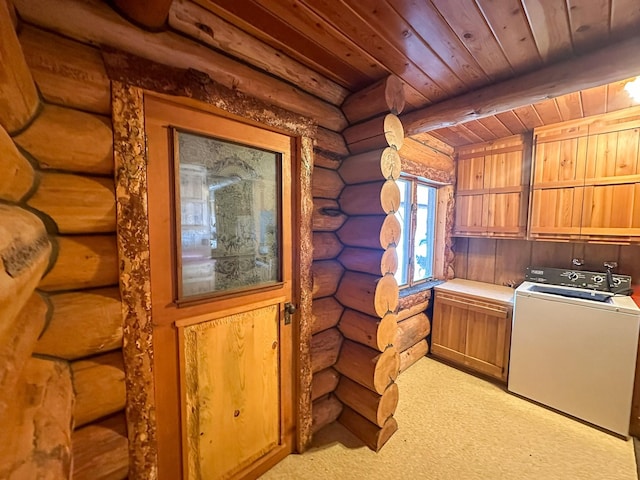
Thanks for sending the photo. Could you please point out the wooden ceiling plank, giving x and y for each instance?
(199, 23)
(617, 97)
(608, 64)
(528, 116)
(548, 111)
(494, 125)
(448, 136)
(305, 21)
(258, 22)
(509, 24)
(549, 23)
(589, 20)
(594, 100)
(465, 133)
(431, 141)
(468, 23)
(478, 129)
(436, 32)
(625, 18)
(355, 28)
(512, 122)
(570, 106)
(397, 32)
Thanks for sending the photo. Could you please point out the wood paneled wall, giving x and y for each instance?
(503, 261)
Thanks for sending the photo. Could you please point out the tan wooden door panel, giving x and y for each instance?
(232, 402)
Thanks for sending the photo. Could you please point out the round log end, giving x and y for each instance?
(387, 331)
(386, 295)
(390, 163)
(390, 196)
(394, 94)
(387, 369)
(388, 403)
(390, 231)
(389, 261)
(393, 131)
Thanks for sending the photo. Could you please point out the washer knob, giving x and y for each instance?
(598, 279)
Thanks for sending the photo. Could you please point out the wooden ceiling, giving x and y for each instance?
(444, 48)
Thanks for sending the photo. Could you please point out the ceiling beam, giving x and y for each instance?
(609, 64)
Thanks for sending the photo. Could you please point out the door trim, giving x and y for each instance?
(130, 155)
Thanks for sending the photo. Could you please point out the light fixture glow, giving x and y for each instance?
(633, 89)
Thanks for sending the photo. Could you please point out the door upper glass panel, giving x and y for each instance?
(227, 215)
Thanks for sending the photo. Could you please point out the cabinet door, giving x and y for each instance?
(487, 342)
(505, 215)
(556, 212)
(471, 214)
(611, 211)
(471, 173)
(449, 329)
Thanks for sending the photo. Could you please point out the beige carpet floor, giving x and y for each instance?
(457, 426)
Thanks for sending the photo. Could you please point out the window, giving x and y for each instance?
(417, 215)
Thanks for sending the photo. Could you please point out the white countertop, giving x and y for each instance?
(482, 290)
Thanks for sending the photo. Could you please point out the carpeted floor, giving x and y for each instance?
(459, 427)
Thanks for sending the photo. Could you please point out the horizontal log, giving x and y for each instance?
(384, 96)
(326, 216)
(425, 156)
(325, 347)
(325, 410)
(374, 198)
(371, 435)
(367, 366)
(36, 432)
(100, 450)
(17, 173)
(17, 345)
(77, 204)
(370, 231)
(374, 407)
(374, 332)
(24, 255)
(83, 262)
(370, 294)
(326, 183)
(94, 317)
(609, 64)
(325, 313)
(412, 330)
(187, 17)
(412, 354)
(18, 94)
(326, 245)
(369, 260)
(325, 160)
(374, 134)
(329, 141)
(67, 139)
(151, 14)
(326, 276)
(324, 382)
(373, 166)
(415, 302)
(95, 22)
(68, 73)
(99, 386)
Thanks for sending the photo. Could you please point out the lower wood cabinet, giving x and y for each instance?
(471, 331)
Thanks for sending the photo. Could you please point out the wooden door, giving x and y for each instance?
(220, 224)
(449, 329)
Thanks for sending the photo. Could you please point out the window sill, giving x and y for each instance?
(405, 292)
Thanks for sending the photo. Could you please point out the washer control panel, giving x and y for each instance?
(579, 279)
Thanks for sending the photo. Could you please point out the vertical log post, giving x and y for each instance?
(368, 361)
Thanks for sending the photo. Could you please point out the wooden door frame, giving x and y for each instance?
(130, 154)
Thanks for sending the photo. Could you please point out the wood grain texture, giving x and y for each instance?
(412, 354)
(67, 73)
(326, 183)
(82, 324)
(83, 262)
(77, 204)
(367, 366)
(148, 13)
(18, 96)
(67, 139)
(325, 410)
(325, 348)
(374, 407)
(374, 332)
(18, 174)
(324, 382)
(373, 436)
(100, 450)
(325, 314)
(37, 424)
(326, 246)
(99, 387)
(326, 276)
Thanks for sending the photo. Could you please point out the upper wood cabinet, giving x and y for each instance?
(492, 188)
(586, 179)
